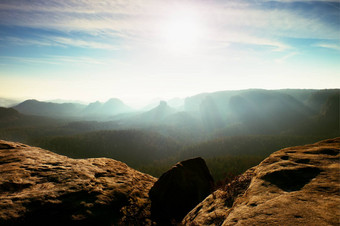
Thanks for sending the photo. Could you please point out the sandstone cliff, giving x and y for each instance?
(38, 187)
(293, 186)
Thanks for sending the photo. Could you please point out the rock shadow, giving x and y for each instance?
(292, 179)
(325, 151)
(6, 146)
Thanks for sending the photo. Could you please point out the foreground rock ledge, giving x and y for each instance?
(38, 187)
(293, 186)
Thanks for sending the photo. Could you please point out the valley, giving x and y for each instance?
(232, 130)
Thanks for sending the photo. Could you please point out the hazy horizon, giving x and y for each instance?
(134, 104)
(140, 51)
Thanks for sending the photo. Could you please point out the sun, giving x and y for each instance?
(182, 31)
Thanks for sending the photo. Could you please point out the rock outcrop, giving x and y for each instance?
(293, 186)
(38, 187)
(179, 190)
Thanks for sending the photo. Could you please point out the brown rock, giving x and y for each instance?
(38, 187)
(179, 190)
(293, 186)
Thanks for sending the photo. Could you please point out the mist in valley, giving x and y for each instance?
(232, 130)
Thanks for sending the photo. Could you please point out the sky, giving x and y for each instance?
(138, 50)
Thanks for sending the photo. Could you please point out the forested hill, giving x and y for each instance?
(233, 130)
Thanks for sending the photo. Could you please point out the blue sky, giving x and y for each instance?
(139, 50)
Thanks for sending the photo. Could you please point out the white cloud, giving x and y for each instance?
(329, 46)
(29, 60)
(75, 6)
(139, 18)
(138, 24)
(55, 60)
(26, 41)
(244, 38)
(285, 57)
(59, 41)
(83, 43)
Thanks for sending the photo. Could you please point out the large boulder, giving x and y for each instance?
(38, 187)
(293, 186)
(179, 190)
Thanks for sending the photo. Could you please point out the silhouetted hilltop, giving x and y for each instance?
(155, 115)
(318, 98)
(111, 107)
(254, 110)
(73, 110)
(259, 111)
(266, 112)
(330, 113)
(49, 109)
(8, 114)
(313, 99)
(93, 108)
(204, 117)
(11, 118)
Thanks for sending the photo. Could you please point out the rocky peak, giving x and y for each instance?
(162, 104)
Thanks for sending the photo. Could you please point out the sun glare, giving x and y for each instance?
(182, 31)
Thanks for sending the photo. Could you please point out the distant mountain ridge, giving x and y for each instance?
(111, 107)
(9, 117)
(253, 111)
(158, 113)
(63, 110)
(8, 114)
(258, 110)
(49, 109)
